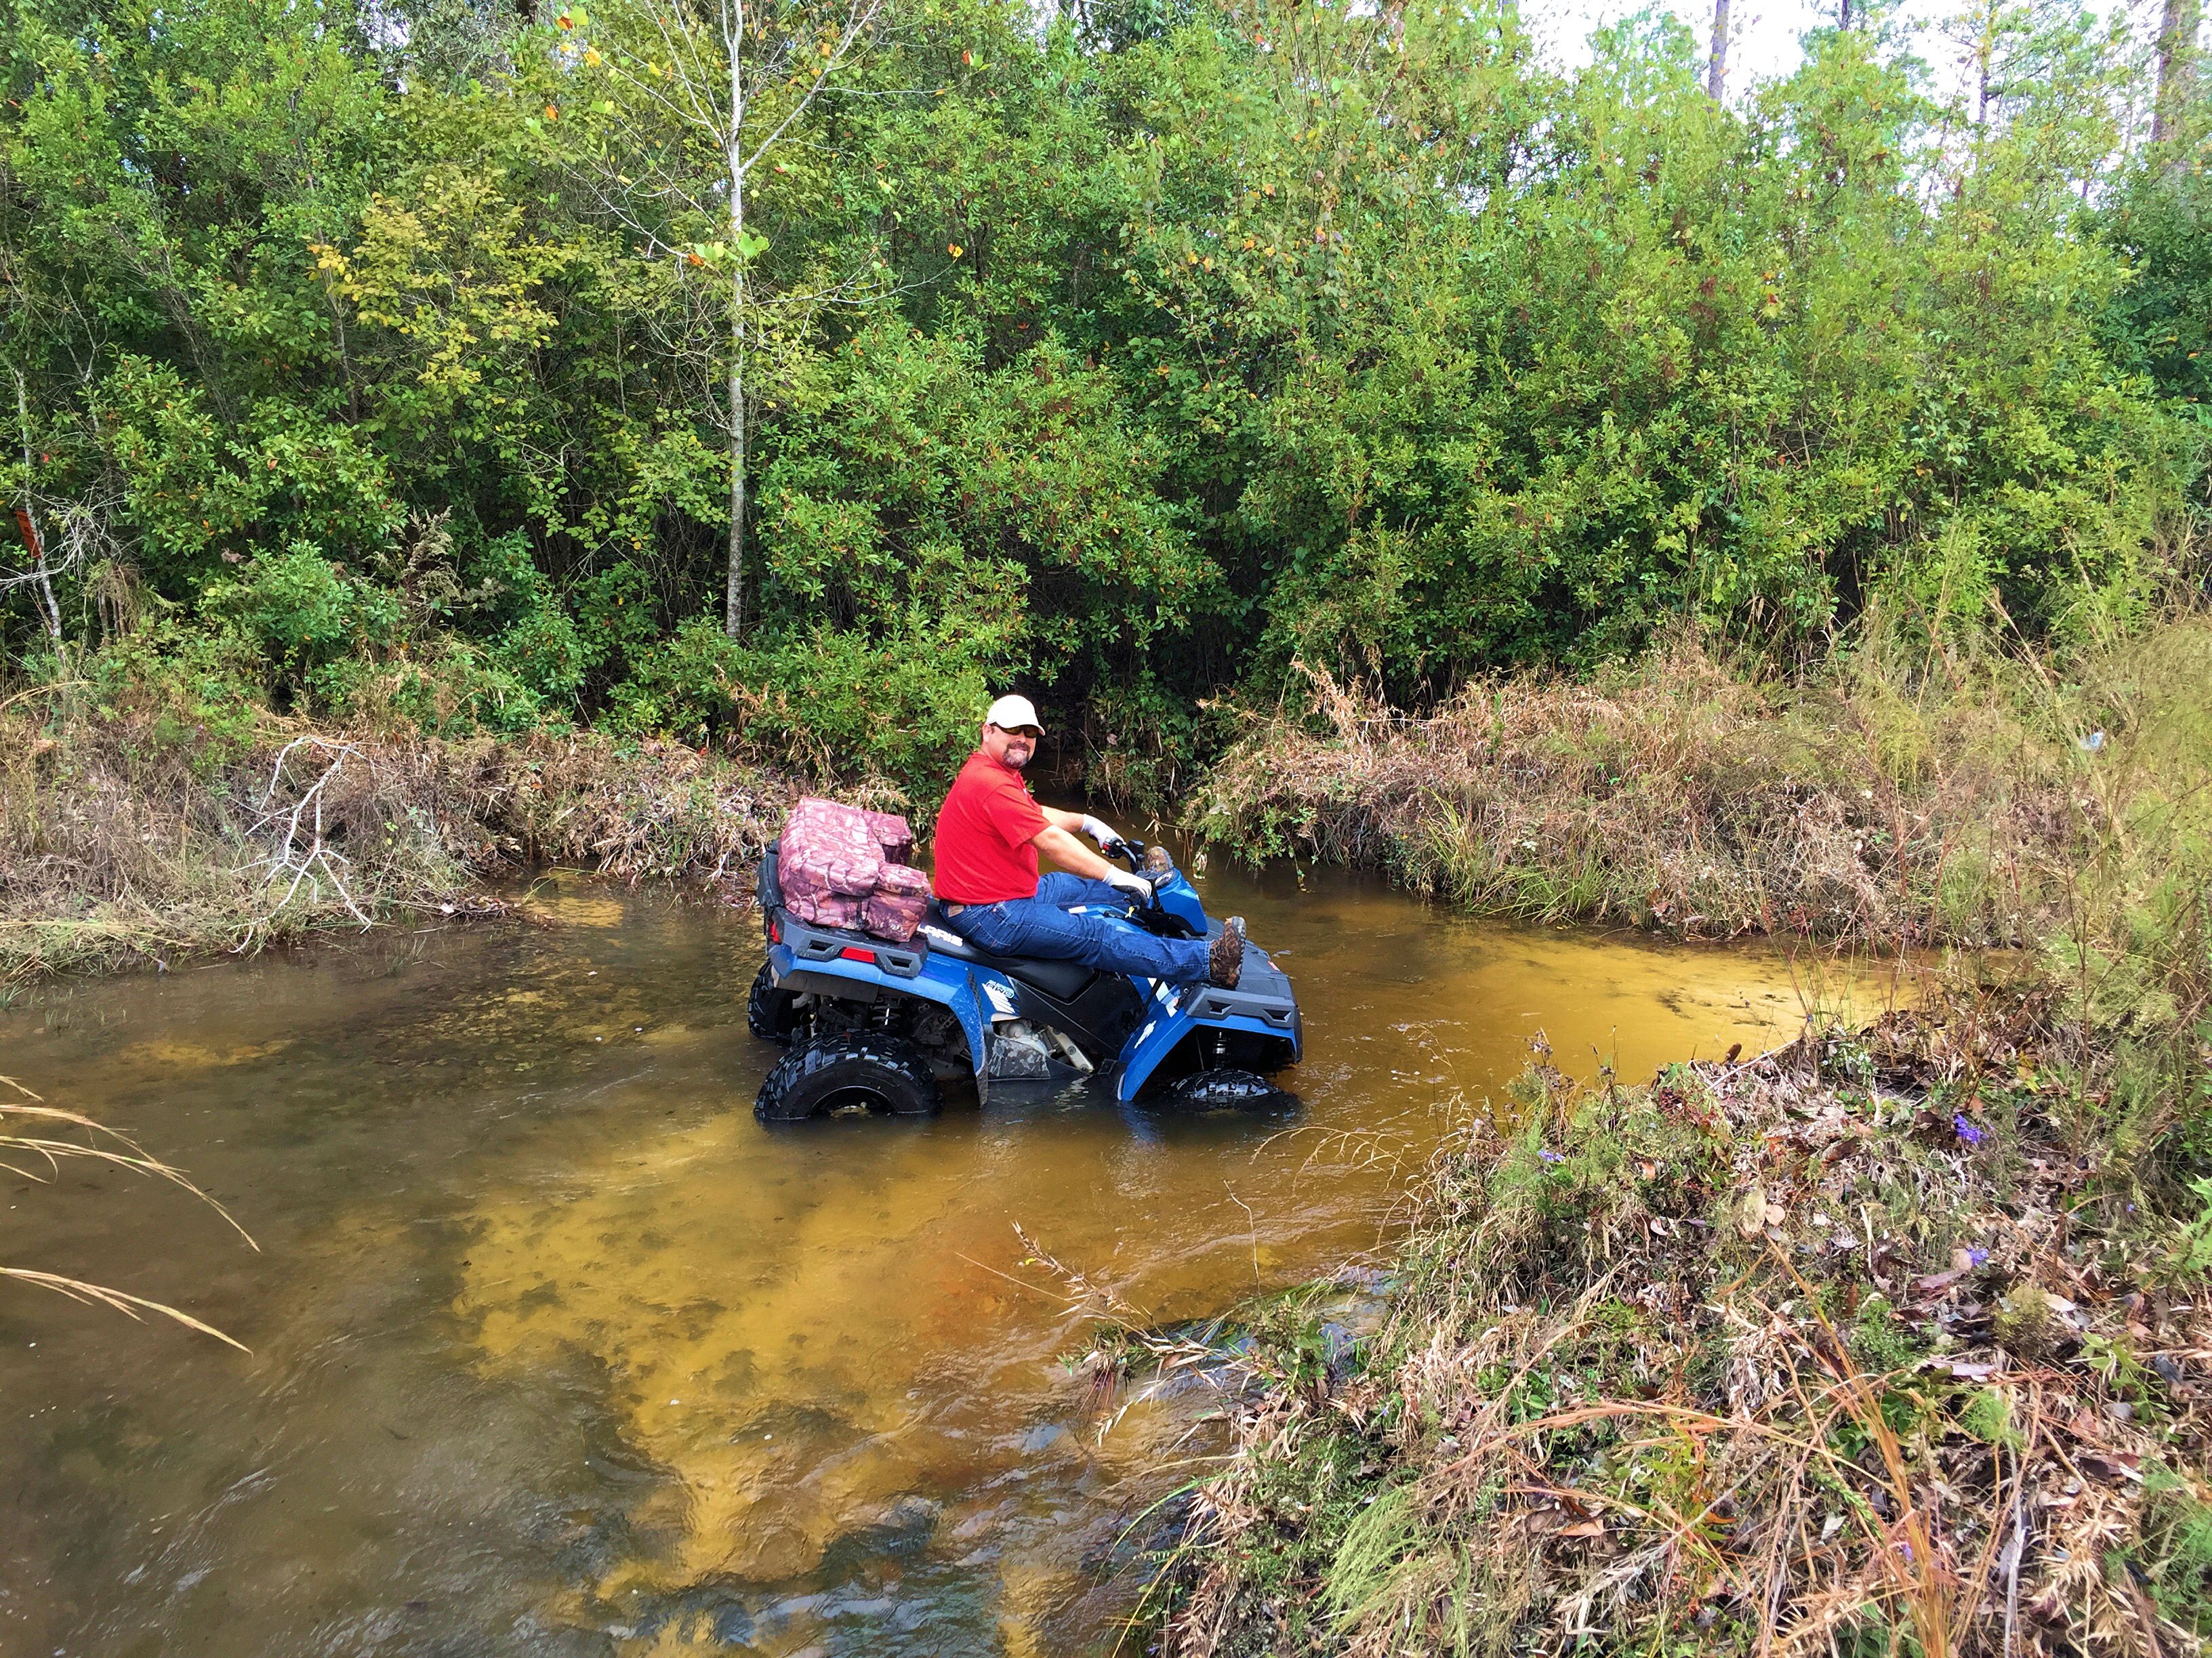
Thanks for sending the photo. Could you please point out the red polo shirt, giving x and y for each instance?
(983, 836)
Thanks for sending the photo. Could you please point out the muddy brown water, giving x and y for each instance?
(555, 1351)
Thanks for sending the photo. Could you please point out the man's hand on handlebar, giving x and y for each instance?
(1109, 838)
(1137, 886)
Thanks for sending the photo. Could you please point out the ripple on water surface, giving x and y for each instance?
(556, 1351)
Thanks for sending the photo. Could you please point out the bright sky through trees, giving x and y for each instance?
(1766, 36)
(1766, 33)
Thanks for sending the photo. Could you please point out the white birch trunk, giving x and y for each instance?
(35, 544)
(2176, 53)
(733, 617)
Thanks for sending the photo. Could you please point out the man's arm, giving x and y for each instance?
(1058, 841)
(1076, 822)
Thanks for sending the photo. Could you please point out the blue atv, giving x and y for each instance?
(877, 1026)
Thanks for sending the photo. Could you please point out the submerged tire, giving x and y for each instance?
(770, 1014)
(853, 1069)
(1222, 1089)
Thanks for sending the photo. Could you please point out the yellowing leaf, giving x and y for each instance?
(1751, 1211)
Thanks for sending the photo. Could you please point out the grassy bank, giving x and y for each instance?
(1909, 791)
(1894, 1340)
(127, 835)
(1888, 1344)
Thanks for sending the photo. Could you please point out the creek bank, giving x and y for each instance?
(1891, 1338)
(1887, 1341)
(1946, 792)
(126, 839)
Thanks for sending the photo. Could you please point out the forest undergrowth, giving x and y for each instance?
(1893, 1342)
(1909, 791)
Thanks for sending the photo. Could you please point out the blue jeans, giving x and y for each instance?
(1041, 927)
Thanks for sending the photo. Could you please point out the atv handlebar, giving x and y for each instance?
(1132, 853)
(1156, 916)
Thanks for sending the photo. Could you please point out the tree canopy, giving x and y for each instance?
(371, 359)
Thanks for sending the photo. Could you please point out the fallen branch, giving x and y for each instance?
(316, 862)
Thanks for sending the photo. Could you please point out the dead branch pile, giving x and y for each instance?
(1852, 1348)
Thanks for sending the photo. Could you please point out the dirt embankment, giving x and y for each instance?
(123, 840)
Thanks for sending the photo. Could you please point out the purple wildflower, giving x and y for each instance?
(1977, 1257)
(1550, 1156)
(1967, 1131)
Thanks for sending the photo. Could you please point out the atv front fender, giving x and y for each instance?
(1167, 1021)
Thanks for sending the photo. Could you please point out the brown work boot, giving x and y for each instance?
(1224, 956)
(1157, 861)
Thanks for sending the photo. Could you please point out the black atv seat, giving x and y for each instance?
(1063, 981)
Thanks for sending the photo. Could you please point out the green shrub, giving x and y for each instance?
(303, 610)
(543, 651)
(832, 704)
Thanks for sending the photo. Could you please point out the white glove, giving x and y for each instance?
(1101, 831)
(1139, 886)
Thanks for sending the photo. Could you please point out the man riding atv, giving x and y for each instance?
(989, 833)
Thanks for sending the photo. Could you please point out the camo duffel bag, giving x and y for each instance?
(843, 867)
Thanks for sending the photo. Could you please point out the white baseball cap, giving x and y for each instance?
(1013, 713)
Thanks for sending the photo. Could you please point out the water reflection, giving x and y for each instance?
(556, 1352)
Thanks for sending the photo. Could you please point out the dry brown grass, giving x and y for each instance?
(37, 1140)
(121, 840)
(1900, 797)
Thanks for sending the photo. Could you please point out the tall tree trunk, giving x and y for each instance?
(733, 617)
(2177, 66)
(26, 522)
(1983, 53)
(1717, 70)
(733, 612)
(1844, 15)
